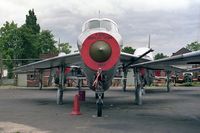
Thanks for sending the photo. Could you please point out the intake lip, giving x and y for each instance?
(100, 51)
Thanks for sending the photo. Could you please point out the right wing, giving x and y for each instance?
(194, 69)
(128, 58)
(67, 60)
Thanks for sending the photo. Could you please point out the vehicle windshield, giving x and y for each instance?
(106, 24)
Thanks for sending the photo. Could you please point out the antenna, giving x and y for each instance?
(99, 13)
(149, 43)
(59, 40)
(59, 43)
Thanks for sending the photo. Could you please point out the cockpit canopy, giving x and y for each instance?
(104, 23)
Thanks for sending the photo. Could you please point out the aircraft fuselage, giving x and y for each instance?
(100, 45)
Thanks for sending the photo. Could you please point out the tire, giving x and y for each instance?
(99, 109)
(40, 85)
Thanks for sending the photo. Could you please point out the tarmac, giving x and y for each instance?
(28, 110)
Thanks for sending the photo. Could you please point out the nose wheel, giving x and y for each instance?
(99, 104)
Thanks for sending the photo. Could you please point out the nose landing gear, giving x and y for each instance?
(99, 103)
(98, 85)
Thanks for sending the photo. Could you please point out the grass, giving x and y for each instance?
(193, 84)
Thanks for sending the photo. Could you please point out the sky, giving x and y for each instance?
(172, 24)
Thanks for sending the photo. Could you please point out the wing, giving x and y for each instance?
(194, 69)
(167, 63)
(126, 58)
(67, 60)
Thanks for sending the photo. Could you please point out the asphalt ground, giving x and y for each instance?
(35, 111)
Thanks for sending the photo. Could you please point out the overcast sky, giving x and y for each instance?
(171, 23)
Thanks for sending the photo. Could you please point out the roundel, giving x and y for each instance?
(104, 59)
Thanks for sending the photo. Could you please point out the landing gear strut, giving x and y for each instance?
(168, 81)
(138, 87)
(97, 96)
(40, 79)
(98, 85)
(125, 78)
(61, 86)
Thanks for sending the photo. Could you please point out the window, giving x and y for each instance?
(106, 24)
(94, 24)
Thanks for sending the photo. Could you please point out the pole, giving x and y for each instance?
(149, 43)
(1, 68)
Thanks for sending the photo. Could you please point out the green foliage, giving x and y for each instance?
(26, 42)
(64, 47)
(10, 41)
(194, 46)
(129, 50)
(159, 56)
(46, 42)
(31, 22)
(29, 45)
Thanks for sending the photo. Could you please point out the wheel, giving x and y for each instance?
(99, 109)
(139, 96)
(124, 85)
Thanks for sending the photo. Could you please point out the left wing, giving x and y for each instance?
(67, 60)
(167, 63)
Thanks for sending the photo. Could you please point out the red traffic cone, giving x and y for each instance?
(76, 106)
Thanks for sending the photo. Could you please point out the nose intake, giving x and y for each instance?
(100, 51)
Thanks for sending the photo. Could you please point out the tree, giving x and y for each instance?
(194, 46)
(35, 42)
(26, 42)
(30, 36)
(64, 47)
(129, 50)
(10, 41)
(31, 22)
(159, 56)
(29, 45)
(46, 42)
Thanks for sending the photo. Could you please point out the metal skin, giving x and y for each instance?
(100, 51)
(99, 45)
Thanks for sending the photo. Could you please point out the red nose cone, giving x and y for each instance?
(100, 50)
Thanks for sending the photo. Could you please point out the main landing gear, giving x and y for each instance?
(125, 79)
(138, 87)
(61, 86)
(168, 81)
(40, 85)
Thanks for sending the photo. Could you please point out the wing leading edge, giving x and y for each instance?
(127, 58)
(166, 63)
(67, 60)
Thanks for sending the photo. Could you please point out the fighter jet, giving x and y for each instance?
(100, 56)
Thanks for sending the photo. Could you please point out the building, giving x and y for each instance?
(181, 75)
(31, 79)
(181, 51)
